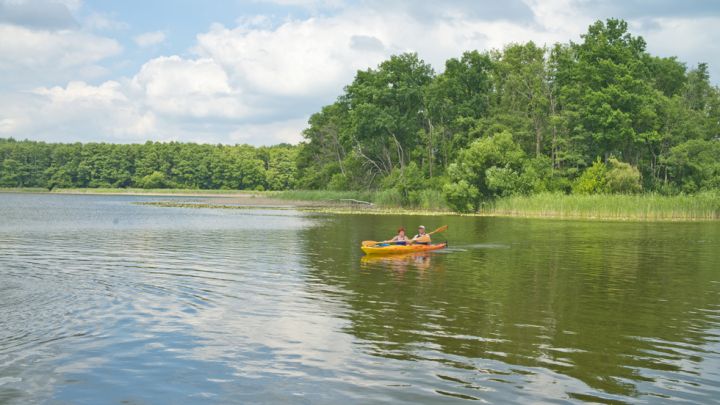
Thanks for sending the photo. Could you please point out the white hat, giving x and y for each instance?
(421, 227)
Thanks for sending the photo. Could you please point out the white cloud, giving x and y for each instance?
(297, 58)
(560, 17)
(22, 47)
(81, 92)
(32, 56)
(188, 88)
(150, 39)
(78, 110)
(170, 98)
(104, 22)
(8, 125)
(316, 57)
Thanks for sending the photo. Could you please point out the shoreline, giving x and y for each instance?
(588, 208)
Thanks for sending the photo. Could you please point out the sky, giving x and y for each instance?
(253, 71)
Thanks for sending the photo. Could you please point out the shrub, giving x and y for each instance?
(537, 175)
(338, 182)
(468, 177)
(615, 177)
(503, 181)
(153, 180)
(407, 181)
(593, 180)
(461, 196)
(622, 178)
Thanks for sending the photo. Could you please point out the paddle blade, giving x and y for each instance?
(369, 242)
(441, 229)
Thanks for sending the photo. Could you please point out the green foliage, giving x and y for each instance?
(615, 177)
(151, 165)
(538, 176)
(503, 181)
(622, 178)
(487, 168)
(153, 180)
(338, 182)
(461, 196)
(694, 165)
(281, 173)
(407, 181)
(384, 112)
(593, 180)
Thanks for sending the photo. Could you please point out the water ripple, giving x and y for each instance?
(196, 306)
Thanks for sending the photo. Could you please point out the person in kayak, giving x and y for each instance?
(421, 238)
(400, 238)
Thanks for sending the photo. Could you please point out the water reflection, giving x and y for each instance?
(399, 263)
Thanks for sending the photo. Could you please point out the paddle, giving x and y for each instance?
(372, 242)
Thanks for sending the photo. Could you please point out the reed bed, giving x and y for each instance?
(703, 206)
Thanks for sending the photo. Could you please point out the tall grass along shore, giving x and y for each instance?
(703, 206)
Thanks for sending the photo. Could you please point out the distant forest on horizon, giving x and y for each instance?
(598, 116)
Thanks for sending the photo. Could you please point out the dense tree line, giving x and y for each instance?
(602, 115)
(598, 116)
(149, 165)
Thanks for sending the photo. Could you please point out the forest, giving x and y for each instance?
(600, 116)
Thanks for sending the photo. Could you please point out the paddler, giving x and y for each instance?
(421, 238)
(400, 238)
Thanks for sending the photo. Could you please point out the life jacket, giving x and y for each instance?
(426, 242)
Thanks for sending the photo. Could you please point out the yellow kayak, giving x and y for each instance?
(395, 249)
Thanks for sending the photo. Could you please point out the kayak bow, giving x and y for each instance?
(395, 249)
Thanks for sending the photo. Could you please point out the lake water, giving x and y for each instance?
(106, 301)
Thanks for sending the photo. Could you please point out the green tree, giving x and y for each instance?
(606, 92)
(455, 101)
(524, 94)
(694, 166)
(499, 151)
(385, 112)
(281, 168)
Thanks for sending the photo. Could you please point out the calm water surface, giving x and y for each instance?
(105, 301)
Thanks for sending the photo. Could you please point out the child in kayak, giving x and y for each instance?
(421, 238)
(400, 238)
